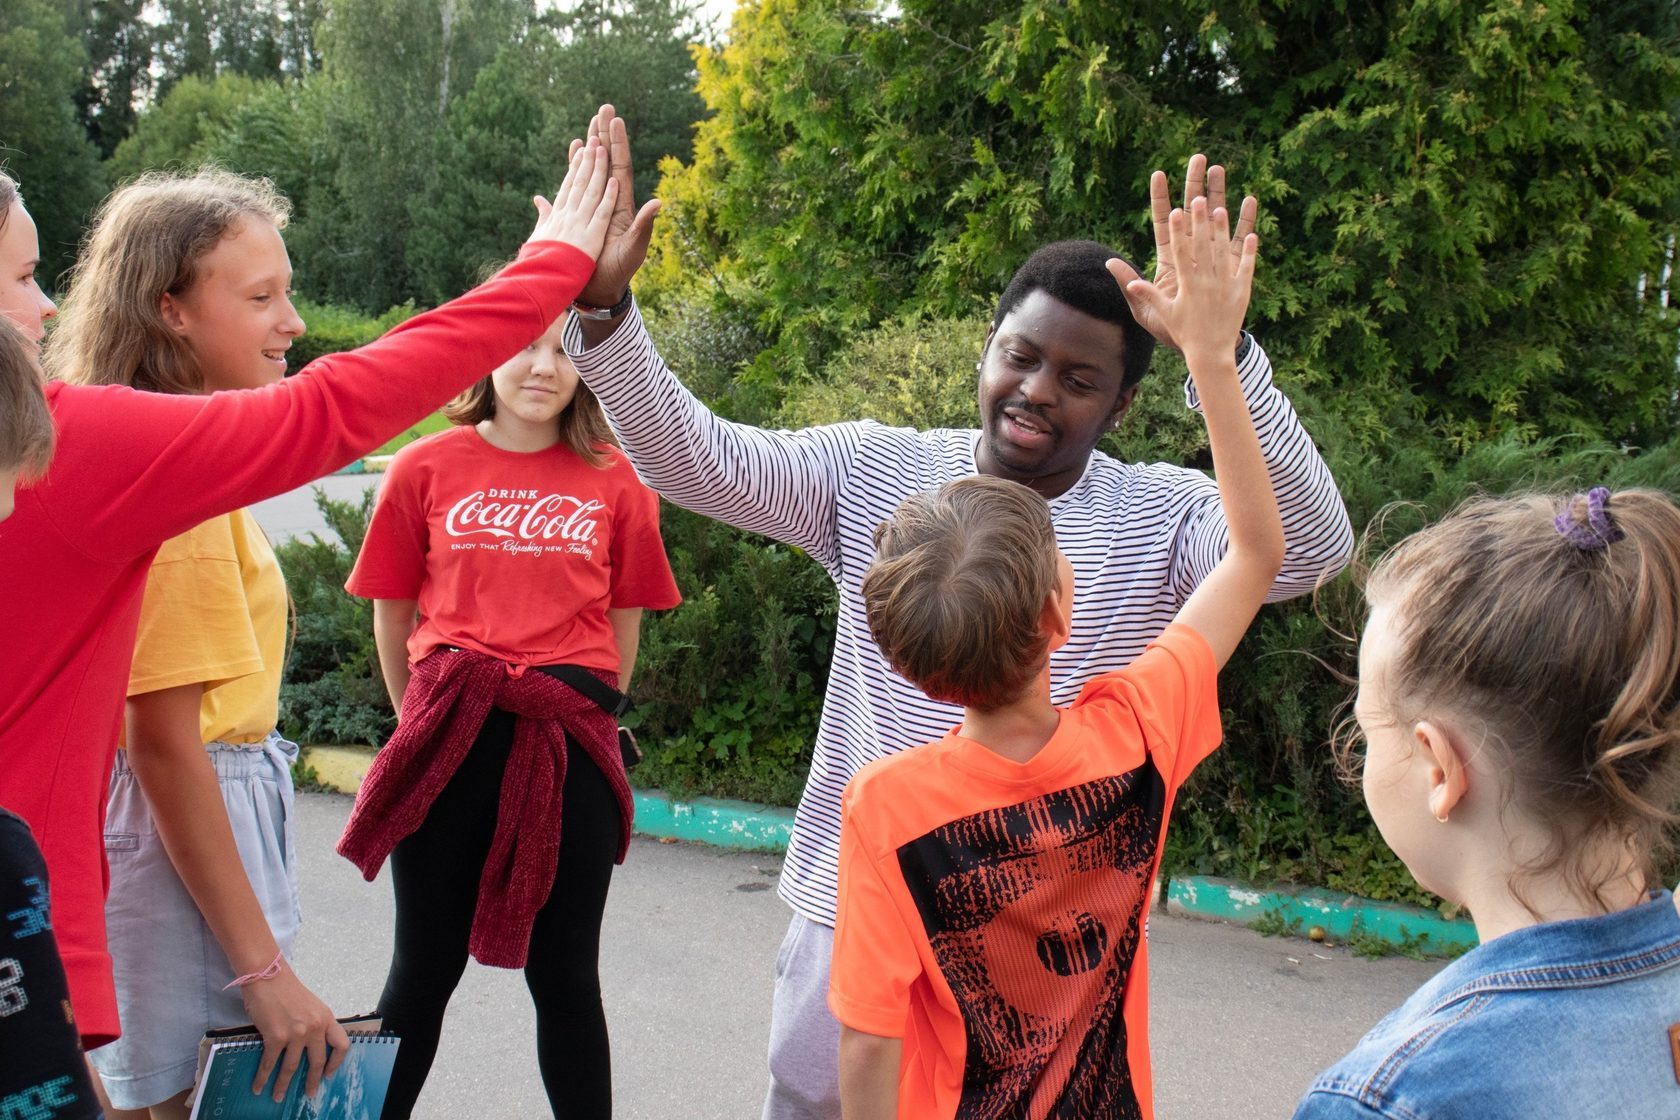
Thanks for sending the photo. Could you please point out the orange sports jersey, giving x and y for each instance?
(991, 912)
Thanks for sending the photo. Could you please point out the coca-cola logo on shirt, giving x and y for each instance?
(523, 515)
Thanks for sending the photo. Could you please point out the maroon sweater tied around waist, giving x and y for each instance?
(448, 699)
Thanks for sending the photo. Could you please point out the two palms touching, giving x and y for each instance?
(1200, 181)
(629, 229)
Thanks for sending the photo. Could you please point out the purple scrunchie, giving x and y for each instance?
(1598, 530)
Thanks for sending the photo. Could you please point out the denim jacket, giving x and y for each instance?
(1576, 1019)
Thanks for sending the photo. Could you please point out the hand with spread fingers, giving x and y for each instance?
(1212, 273)
(1200, 181)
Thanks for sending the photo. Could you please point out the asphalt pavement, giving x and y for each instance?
(1239, 1022)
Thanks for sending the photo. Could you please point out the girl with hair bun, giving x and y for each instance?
(1519, 699)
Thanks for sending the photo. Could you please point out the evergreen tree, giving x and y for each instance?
(394, 66)
(117, 74)
(42, 144)
(507, 138)
(1466, 207)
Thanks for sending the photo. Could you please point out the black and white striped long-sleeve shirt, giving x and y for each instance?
(1139, 536)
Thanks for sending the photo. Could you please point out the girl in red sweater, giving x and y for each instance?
(517, 542)
(133, 469)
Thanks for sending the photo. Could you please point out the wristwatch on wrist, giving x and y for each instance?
(585, 311)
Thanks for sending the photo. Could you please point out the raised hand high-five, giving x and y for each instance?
(1212, 274)
(630, 228)
(582, 210)
(1200, 181)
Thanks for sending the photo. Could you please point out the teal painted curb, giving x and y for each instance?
(1339, 914)
(367, 464)
(741, 825)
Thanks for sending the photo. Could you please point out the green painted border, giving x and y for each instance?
(709, 820)
(748, 826)
(1339, 914)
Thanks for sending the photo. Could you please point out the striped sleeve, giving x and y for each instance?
(782, 484)
(1317, 535)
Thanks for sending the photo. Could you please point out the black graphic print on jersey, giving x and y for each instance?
(1033, 912)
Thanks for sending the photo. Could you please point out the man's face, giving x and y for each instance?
(1049, 389)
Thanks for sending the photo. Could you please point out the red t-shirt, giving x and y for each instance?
(992, 912)
(517, 555)
(134, 469)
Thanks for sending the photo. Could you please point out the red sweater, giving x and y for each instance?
(444, 709)
(134, 469)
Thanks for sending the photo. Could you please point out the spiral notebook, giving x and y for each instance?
(227, 1065)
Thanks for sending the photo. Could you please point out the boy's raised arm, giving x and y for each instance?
(1215, 275)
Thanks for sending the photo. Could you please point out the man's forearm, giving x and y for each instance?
(1318, 537)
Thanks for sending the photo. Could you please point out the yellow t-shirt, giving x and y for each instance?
(214, 612)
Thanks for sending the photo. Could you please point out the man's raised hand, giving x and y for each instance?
(1200, 181)
(630, 229)
(1213, 274)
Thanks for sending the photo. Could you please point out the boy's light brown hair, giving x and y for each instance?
(26, 427)
(957, 590)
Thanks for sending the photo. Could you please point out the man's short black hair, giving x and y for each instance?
(1073, 272)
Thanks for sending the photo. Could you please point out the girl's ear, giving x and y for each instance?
(1448, 769)
(170, 308)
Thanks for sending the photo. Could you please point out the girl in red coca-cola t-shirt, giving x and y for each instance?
(524, 537)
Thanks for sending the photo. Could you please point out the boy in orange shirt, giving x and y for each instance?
(988, 954)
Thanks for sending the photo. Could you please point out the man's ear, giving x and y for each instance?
(985, 346)
(1121, 406)
(1448, 766)
(170, 308)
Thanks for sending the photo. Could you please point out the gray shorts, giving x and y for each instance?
(169, 970)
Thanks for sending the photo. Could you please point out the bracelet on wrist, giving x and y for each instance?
(268, 973)
(587, 311)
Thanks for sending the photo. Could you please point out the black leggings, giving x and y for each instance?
(435, 873)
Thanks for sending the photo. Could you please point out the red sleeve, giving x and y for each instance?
(641, 572)
(875, 959)
(392, 562)
(133, 469)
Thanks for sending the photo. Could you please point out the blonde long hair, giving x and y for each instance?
(147, 240)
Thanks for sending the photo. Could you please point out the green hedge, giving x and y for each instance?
(331, 690)
(333, 328)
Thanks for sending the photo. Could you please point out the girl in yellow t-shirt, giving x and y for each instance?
(203, 903)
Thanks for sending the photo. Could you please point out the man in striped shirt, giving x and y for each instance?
(1058, 369)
